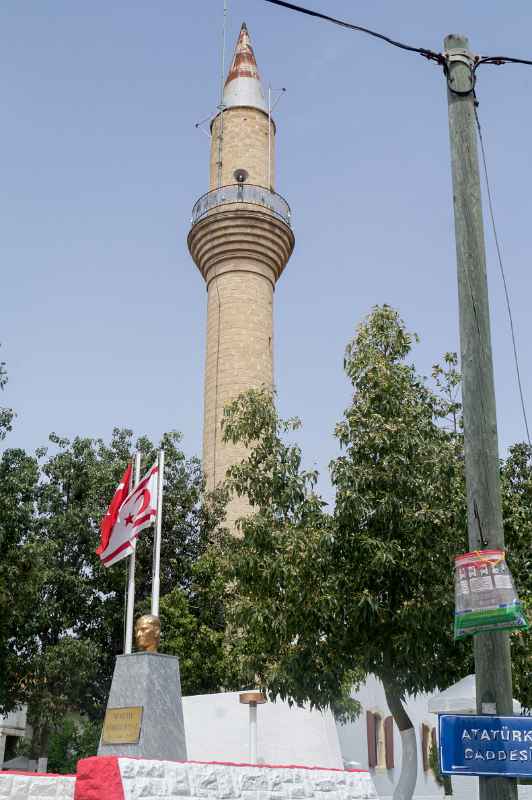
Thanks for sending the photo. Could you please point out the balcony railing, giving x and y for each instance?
(241, 193)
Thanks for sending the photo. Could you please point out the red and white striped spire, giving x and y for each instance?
(243, 86)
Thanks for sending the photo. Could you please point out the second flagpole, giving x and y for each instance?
(156, 580)
(131, 575)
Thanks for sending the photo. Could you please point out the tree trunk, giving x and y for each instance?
(406, 785)
(45, 735)
(39, 740)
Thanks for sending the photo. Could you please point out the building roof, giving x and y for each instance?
(243, 86)
(460, 698)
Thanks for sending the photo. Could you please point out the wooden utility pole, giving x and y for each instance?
(484, 510)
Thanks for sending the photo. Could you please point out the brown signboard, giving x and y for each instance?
(122, 725)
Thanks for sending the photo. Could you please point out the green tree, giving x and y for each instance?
(193, 628)
(67, 641)
(281, 597)
(19, 569)
(316, 602)
(60, 681)
(72, 738)
(400, 517)
(321, 601)
(516, 477)
(6, 414)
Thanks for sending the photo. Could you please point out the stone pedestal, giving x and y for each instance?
(151, 681)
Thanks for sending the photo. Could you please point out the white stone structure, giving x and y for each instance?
(158, 779)
(13, 724)
(216, 729)
(30, 786)
(129, 779)
(355, 750)
(116, 778)
(460, 698)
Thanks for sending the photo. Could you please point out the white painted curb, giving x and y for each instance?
(32, 786)
(153, 780)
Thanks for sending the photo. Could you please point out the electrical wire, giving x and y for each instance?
(431, 55)
(503, 275)
(423, 51)
(441, 58)
(499, 60)
(220, 169)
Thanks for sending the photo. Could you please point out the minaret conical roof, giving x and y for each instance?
(243, 86)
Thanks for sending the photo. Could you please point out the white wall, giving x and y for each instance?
(353, 743)
(216, 728)
(14, 724)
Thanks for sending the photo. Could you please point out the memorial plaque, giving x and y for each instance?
(122, 725)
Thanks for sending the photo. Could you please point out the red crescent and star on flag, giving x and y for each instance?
(128, 514)
(144, 496)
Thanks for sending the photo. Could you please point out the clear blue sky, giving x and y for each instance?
(103, 311)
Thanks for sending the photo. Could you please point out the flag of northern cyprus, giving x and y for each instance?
(138, 510)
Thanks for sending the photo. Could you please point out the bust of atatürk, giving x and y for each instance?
(148, 633)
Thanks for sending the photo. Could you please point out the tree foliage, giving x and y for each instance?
(6, 414)
(19, 569)
(316, 601)
(516, 478)
(64, 613)
(193, 628)
(306, 601)
(400, 513)
(71, 740)
(281, 595)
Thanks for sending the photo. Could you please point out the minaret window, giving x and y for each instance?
(425, 745)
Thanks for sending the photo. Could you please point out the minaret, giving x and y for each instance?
(241, 240)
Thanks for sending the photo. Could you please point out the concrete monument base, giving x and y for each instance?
(149, 681)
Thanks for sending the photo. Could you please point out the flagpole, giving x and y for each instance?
(156, 580)
(131, 575)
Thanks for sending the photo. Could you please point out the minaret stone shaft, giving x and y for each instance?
(240, 240)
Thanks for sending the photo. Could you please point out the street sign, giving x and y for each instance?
(485, 745)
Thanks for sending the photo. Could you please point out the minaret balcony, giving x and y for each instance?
(241, 193)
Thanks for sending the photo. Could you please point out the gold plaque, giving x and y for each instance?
(122, 725)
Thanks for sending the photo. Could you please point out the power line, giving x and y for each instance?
(431, 55)
(498, 60)
(503, 275)
(423, 51)
(441, 58)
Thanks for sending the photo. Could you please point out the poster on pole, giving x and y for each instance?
(485, 595)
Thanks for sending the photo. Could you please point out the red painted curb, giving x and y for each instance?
(269, 766)
(97, 774)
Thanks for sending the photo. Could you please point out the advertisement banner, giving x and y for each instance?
(485, 595)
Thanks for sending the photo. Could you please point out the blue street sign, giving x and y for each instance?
(485, 745)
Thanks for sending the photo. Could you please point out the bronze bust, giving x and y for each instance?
(148, 633)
